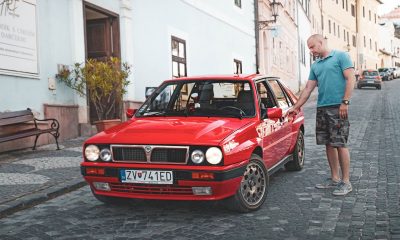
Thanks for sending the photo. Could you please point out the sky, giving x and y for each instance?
(387, 6)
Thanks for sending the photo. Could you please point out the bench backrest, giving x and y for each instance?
(8, 118)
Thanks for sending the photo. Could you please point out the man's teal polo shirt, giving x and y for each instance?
(328, 72)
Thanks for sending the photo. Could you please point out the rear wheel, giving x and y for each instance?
(358, 86)
(297, 162)
(252, 191)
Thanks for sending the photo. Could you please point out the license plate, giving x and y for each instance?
(370, 81)
(146, 176)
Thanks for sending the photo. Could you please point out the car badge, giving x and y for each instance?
(147, 149)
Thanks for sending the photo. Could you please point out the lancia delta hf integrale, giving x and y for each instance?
(199, 138)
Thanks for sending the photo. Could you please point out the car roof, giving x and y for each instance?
(238, 77)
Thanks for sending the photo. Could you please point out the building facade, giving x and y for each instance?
(338, 23)
(38, 38)
(306, 20)
(389, 38)
(367, 39)
(278, 42)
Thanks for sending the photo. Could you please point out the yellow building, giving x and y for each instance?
(367, 37)
(316, 16)
(339, 25)
(350, 26)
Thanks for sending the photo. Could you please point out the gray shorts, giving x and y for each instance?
(330, 128)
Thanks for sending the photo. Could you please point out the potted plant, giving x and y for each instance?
(104, 83)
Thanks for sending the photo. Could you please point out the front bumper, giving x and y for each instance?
(225, 183)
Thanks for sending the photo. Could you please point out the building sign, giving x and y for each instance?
(18, 40)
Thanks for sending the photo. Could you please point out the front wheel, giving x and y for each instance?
(297, 162)
(252, 191)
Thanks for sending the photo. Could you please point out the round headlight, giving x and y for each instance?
(105, 154)
(214, 155)
(197, 156)
(92, 153)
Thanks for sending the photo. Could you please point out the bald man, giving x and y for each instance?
(333, 73)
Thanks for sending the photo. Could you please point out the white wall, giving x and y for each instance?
(54, 46)
(215, 32)
(304, 30)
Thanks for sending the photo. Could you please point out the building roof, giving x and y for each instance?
(394, 14)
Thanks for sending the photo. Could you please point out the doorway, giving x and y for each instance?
(102, 41)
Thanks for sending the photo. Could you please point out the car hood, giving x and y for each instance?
(168, 130)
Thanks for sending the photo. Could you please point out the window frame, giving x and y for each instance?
(238, 3)
(179, 60)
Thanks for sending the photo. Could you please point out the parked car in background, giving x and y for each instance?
(370, 78)
(396, 72)
(199, 138)
(386, 74)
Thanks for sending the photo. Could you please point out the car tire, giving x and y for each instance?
(253, 188)
(297, 162)
(379, 87)
(358, 86)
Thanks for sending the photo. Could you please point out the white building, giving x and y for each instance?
(159, 39)
(390, 45)
(304, 32)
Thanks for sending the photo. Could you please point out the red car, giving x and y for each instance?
(199, 138)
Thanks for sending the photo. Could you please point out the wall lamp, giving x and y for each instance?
(274, 9)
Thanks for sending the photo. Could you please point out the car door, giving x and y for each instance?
(285, 124)
(268, 129)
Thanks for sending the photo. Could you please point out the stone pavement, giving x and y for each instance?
(30, 177)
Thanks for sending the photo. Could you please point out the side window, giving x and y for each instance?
(280, 94)
(266, 97)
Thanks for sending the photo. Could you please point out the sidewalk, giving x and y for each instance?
(30, 177)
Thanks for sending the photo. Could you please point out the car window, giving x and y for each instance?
(266, 97)
(370, 73)
(225, 98)
(280, 94)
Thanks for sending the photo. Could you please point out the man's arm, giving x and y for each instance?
(350, 79)
(305, 94)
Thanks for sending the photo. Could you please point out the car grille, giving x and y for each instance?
(150, 154)
(151, 189)
(129, 154)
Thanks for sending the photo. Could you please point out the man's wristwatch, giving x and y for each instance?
(346, 102)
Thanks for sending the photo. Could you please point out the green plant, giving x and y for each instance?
(104, 82)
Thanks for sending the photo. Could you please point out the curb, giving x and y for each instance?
(41, 196)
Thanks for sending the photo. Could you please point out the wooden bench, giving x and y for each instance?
(20, 117)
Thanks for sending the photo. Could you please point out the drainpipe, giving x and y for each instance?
(298, 45)
(357, 40)
(257, 35)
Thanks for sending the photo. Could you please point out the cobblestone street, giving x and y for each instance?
(294, 208)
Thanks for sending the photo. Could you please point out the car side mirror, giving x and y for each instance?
(274, 113)
(130, 112)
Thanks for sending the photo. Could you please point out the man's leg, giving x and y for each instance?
(344, 160)
(333, 160)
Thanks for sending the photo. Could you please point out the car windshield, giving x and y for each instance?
(208, 98)
(370, 73)
(383, 69)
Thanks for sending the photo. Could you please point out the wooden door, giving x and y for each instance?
(102, 42)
